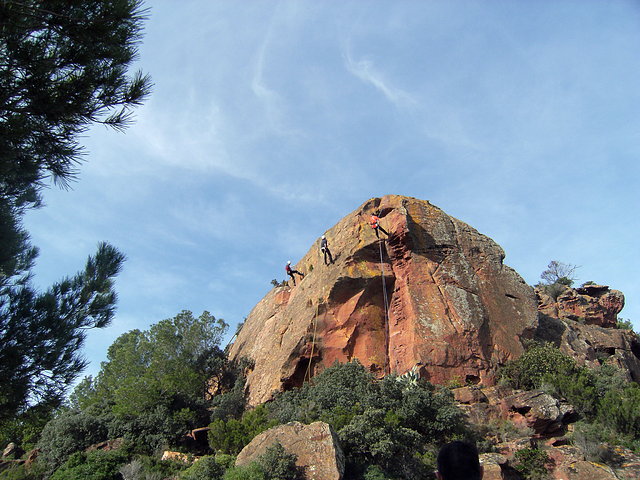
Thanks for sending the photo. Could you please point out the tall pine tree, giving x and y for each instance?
(63, 67)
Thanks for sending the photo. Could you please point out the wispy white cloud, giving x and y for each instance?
(274, 103)
(366, 70)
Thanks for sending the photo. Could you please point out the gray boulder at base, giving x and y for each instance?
(316, 446)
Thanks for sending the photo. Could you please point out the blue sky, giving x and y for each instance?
(270, 121)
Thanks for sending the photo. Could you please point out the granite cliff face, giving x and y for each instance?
(434, 297)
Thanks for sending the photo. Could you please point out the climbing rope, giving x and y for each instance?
(307, 375)
(386, 305)
(384, 285)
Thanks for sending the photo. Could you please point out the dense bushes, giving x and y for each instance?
(531, 463)
(231, 435)
(541, 362)
(600, 395)
(274, 464)
(71, 432)
(388, 423)
(96, 465)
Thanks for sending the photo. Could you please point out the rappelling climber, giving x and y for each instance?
(374, 221)
(290, 271)
(324, 246)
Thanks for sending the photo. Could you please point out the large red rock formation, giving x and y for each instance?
(435, 296)
(590, 304)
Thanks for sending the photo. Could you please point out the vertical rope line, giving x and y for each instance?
(386, 309)
(384, 285)
(307, 376)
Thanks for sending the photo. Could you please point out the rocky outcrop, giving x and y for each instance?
(316, 447)
(589, 304)
(435, 296)
(539, 411)
(582, 321)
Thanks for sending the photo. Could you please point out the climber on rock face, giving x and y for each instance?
(374, 221)
(324, 246)
(290, 271)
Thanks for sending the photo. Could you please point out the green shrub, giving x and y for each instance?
(252, 471)
(147, 467)
(375, 437)
(278, 464)
(624, 324)
(232, 435)
(530, 463)
(536, 365)
(36, 471)
(620, 410)
(71, 432)
(384, 423)
(206, 468)
(96, 465)
(274, 464)
(374, 472)
(595, 441)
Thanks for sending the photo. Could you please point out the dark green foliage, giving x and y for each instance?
(207, 468)
(274, 464)
(533, 368)
(152, 429)
(41, 333)
(36, 471)
(232, 435)
(64, 67)
(252, 471)
(24, 429)
(96, 465)
(530, 463)
(620, 410)
(146, 467)
(388, 423)
(154, 383)
(585, 388)
(596, 441)
(230, 404)
(69, 433)
(376, 437)
(169, 363)
(624, 324)
(340, 388)
(278, 464)
(600, 395)
(374, 472)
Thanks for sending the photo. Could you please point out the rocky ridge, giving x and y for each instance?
(434, 297)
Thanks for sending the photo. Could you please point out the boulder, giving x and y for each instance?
(537, 410)
(178, 457)
(316, 447)
(435, 296)
(469, 395)
(12, 451)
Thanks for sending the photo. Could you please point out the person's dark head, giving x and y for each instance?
(459, 461)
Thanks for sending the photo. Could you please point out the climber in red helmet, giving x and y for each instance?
(374, 221)
(290, 271)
